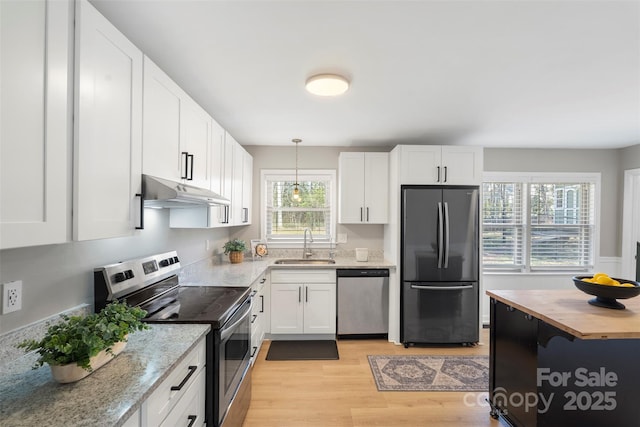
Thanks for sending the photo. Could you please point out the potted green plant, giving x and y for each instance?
(235, 248)
(78, 345)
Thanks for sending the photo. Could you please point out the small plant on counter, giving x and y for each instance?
(235, 248)
(77, 339)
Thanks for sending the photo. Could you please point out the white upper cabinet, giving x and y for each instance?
(35, 144)
(363, 188)
(108, 129)
(247, 188)
(440, 165)
(161, 124)
(177, 131)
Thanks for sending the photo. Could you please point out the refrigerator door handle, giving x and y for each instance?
(440, 232)
(441, 288)
(446, 235)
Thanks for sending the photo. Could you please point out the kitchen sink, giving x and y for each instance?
(304, 261)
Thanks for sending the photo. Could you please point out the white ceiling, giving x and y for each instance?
(506, 73)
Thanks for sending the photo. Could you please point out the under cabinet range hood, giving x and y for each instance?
(164, 193)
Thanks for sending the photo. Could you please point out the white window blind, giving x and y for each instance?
(539, 222)
(286, 218)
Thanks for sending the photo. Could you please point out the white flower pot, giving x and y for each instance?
(72, 372)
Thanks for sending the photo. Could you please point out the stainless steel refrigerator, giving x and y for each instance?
(440, 265)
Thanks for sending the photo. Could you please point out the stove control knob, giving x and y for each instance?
(175, 259)
(119, 277)
(128, 274)
(164, 263)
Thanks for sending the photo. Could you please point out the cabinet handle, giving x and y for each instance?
(184, 174)
(253, 353)
(306, 294)
(192, 419)
(438, 180)
(299, 293)
(190, 156)
(445, 174)
(245, 214)
(261, 303)
(253, 293)
(264, 279)
(253, 318)
(192, 370)
(360, 214)
(367, 214)
(141, 227)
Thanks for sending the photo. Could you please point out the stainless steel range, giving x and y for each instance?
(152, 284)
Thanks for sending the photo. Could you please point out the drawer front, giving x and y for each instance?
(163, 399)
(304, 276)
(189, 411)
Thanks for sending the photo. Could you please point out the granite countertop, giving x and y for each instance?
(109, 396)
(210, 272)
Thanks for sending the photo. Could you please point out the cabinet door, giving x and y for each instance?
(376, 188)
(351, 209)
(195, 139)
(420, 164)
(286, 308)
(320, 308)
(108, 138)
(236, 188)
(34, 141)
(216, 158)
(161, 124)
(462, 165)
(247, 186)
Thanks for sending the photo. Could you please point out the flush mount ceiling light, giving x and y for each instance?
(296, 190)
(327, 85)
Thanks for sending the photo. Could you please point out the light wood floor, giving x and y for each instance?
(343, 392)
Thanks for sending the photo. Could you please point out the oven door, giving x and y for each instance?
(233, 355)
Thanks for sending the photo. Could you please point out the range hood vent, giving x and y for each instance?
(164, 193)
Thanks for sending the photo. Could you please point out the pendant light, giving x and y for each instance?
(296, 190)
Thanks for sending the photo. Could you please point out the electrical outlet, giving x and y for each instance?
(207, 244)
(11, 296)
(342, 238)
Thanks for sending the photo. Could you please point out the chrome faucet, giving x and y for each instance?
(306, 252)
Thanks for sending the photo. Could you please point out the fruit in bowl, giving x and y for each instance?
(607, 289)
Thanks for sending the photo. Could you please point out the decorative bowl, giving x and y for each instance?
(606, 295)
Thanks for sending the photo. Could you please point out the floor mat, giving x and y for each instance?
(430, 373)
(303, 350)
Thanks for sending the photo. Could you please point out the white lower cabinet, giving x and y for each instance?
(133, 420)
(180, 399)
(303, 302)
(259, 313)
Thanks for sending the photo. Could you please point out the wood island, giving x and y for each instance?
(556, 360)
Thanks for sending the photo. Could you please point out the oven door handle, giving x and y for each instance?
(228, 330)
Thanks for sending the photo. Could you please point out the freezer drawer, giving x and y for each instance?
(363, 302)
(439, 313)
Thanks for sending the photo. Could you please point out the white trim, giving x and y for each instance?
(302, 173)
(630, 228)
(550, 177)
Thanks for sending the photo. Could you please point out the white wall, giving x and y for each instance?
(270, 157)
(59, 277)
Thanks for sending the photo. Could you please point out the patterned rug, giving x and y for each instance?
(430, 373)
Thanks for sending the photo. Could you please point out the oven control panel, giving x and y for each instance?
(116, 280)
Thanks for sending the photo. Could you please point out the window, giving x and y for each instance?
(536, 222)
(285, 218)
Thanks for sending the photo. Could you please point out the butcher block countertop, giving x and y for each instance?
(569, 311)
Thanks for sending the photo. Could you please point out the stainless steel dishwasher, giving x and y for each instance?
(363, 302)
